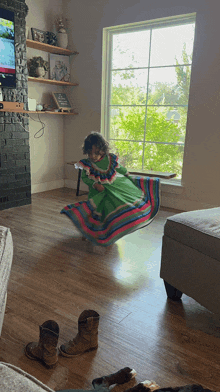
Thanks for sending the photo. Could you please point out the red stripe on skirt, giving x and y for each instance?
(102, 232)
(123, 229)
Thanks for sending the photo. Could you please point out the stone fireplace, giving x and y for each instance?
(15, 178)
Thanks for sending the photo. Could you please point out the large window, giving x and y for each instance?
(146, 81)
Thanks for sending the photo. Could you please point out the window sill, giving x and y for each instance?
(172, 186)
(168, 185)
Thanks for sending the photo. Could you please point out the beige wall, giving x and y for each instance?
(86, 19)
(201, 185)
(46, 152)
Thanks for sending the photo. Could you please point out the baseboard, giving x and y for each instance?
(47, 186)
(183, 204)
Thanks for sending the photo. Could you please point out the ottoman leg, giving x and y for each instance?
(172, 292)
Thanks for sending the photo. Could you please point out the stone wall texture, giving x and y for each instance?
(15, 177)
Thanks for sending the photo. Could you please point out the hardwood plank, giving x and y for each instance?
(55, 275)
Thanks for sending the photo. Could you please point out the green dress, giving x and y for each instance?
(126, 204)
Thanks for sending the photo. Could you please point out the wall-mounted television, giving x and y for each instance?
(7, 49)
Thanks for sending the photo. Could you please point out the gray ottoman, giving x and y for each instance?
(190, 260)
(6, 255)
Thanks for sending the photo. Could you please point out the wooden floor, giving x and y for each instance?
(55, 275)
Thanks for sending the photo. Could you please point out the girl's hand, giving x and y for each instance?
(99, 187)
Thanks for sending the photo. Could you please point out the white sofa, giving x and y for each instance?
(12, 379)
(6, 255)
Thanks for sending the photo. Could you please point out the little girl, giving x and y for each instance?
(117, 203)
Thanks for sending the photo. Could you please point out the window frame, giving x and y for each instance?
(108, 33)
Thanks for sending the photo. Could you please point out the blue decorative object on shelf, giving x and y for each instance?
(51, 38)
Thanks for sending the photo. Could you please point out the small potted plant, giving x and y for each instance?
(37, 67)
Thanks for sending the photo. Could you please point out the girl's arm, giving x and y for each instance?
(122, 170)
(86, 180)
(91, 183)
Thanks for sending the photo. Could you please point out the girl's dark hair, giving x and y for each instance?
(95, 138)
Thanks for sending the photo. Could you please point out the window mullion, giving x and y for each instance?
(147, 94)
(109, 88)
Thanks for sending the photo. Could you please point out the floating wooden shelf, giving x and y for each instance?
(51, 49)
(51, 81)
(39, 112)
(48, 48)
(50, 112)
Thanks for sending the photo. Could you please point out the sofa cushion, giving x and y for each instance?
(13, 379)
(198, 229)
(6, 254)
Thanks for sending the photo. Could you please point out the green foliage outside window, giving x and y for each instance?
(151, 135)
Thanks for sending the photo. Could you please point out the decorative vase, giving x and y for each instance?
(62, 39)
(39, 107)
(40, 72)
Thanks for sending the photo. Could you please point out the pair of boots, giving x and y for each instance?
(46, 349)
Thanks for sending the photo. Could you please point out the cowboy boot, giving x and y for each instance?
(46, 349)
(121, 377)
(87, 336)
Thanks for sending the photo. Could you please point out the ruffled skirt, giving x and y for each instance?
(123, 207)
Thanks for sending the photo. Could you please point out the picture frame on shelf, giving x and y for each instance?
(59, 67)
(62, 102)
(38, 35)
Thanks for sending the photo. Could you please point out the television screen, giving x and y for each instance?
(7, 49)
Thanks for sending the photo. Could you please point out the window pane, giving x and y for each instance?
(166, 124)
(130, 153)
(169, 85)
(164, 158)
(129, 87)
(130, 49)
(127, 123)
(168, 44)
